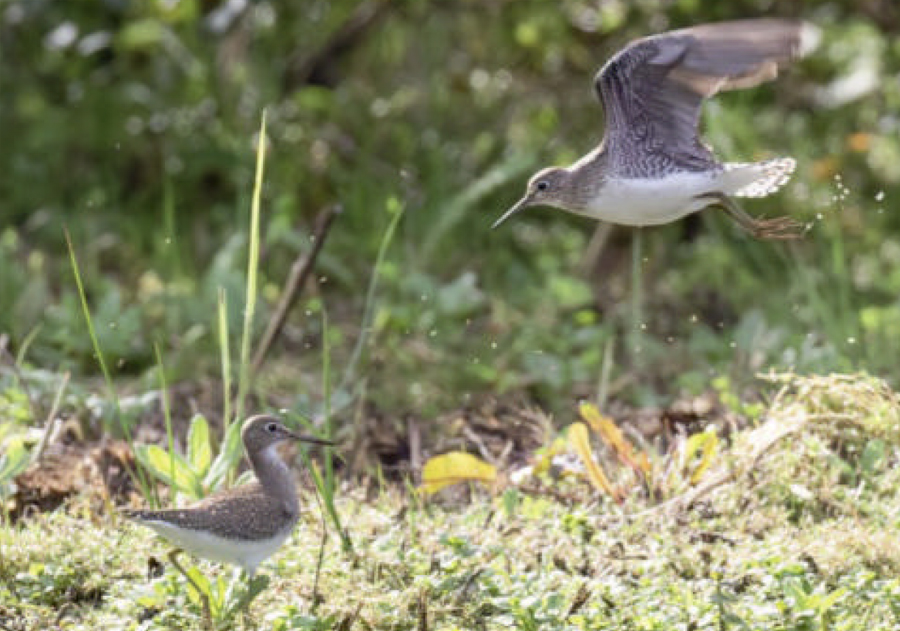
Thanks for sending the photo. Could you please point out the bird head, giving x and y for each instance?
(264, 430)
(544, 188)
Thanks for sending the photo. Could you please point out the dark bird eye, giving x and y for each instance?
(543, 185)
(272, 428)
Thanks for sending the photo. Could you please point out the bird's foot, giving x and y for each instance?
(780, 228)
(777, 228)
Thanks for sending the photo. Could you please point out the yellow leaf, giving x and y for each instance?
(453, 468)
(613, 436)
(591, 414)
(644, 463)
(578, 438)
(706, 443)
(544, 458)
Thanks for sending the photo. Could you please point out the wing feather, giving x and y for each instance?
(652, 91)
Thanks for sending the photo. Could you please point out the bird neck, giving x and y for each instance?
(275, 477)
(587, 178)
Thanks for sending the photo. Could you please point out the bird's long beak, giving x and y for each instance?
(304, 438)
(522, 203)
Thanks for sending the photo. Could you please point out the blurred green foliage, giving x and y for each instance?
(133, 123)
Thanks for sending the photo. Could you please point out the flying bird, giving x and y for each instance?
(651, 167)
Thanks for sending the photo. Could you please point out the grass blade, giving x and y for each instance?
(98, 353)
(252, 272)
(225, 359)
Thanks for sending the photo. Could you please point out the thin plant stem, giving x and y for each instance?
(138, 473)
(320, 559)
(605, 369)
(204, 597)
(326, 388)
(92, 332)
(252, 272)
(167, 415)
(25, 345)
(369, 310)
(225, 355)
(51, 417)
(637, 300)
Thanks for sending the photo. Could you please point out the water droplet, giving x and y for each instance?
(879, 196)
(851, 340)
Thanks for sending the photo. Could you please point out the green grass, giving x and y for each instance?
(156, 194)
(463, 312)
(794, 545)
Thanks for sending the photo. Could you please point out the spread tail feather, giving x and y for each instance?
(758, 179)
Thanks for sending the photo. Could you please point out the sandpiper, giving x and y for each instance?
(651, 166)
(245, 525)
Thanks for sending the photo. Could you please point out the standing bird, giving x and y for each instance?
(651, 167)
(244, 525)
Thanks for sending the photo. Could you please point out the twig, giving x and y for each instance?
(51, 418)
(422, 608)
(462, 590)
(581, 597)
(468, 433)
(314, 68)
(300, 271)
(415, 447)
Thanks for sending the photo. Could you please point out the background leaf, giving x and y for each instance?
(580, 441)
(453, 468)
(160, 463)
(199, 448)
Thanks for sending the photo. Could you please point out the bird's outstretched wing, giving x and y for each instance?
(652, 90)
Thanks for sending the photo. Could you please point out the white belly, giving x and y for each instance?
(652, 202)
(247, 554)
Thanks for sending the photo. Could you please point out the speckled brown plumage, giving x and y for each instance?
(246, 524)
(241, 513)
